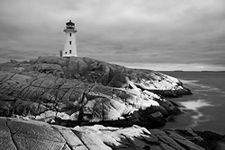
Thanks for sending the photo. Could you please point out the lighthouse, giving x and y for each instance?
(70, 46)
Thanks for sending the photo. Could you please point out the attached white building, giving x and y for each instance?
(70, 46)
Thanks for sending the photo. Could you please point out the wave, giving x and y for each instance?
(195, 106)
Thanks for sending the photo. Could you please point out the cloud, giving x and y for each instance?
(172, 31)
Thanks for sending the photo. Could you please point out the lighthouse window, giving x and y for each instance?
(70, 51)
(70, 42)
(70, 34)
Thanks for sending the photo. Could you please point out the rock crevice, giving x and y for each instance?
(75, 92)
(87, 91)
(54, 137)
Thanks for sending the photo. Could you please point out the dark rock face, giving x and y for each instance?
(25, 135)
(75, 90)
(93, 71)
(83, 91)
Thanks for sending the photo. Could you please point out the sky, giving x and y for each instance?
(152, 34)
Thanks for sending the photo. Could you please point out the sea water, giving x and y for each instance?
(205, 109)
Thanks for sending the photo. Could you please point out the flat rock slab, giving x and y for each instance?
(25, 135)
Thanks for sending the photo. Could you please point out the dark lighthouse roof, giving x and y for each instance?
(70, 27)
(70, 23)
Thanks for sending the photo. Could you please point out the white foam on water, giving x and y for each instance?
(189, 81)
(200, 90)
(192, 83)
(199, 118)
(195, 83)
(195, 106)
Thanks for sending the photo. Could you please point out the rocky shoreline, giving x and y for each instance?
(17, 134)
(79, 93)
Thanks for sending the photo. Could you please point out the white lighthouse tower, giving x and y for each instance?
(70, 46)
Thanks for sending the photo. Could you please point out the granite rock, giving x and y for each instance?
(75, 90)
(25, 135)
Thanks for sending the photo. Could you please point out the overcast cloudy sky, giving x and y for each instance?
(156, 34)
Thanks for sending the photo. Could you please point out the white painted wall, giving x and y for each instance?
(68, 46)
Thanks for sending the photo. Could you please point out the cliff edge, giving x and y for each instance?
(78, 91)
(81, 103)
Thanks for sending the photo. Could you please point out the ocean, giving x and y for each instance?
(205, 109)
